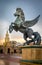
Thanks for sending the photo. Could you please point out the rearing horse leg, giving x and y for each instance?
(11, 27)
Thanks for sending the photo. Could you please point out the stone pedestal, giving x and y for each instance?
(31, 55)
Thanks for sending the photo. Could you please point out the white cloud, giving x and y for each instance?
(4, 25)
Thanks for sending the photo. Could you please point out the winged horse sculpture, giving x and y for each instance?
(24, 27)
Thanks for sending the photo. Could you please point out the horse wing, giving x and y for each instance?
(30, 23)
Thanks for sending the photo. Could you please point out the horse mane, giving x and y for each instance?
(22, 13)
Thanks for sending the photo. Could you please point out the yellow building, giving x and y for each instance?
(8, 45)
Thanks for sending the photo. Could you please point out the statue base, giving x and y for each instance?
(31, 55)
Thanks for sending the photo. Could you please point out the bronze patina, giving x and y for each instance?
(24, 27)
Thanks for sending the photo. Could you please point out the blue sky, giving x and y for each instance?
(31, 8)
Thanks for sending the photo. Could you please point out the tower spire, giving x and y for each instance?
(7, 37)
(7, 40)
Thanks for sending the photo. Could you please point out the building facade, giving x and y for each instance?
(8, 47)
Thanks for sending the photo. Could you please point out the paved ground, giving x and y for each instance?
(5, 62)
(10, 60)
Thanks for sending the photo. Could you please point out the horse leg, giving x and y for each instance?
(37, 38)
(27, 41)
(10, 28)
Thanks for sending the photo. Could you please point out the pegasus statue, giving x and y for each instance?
(24, 27)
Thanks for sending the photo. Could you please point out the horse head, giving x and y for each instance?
(19, 12)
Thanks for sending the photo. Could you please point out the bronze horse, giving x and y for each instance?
(23, 26)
